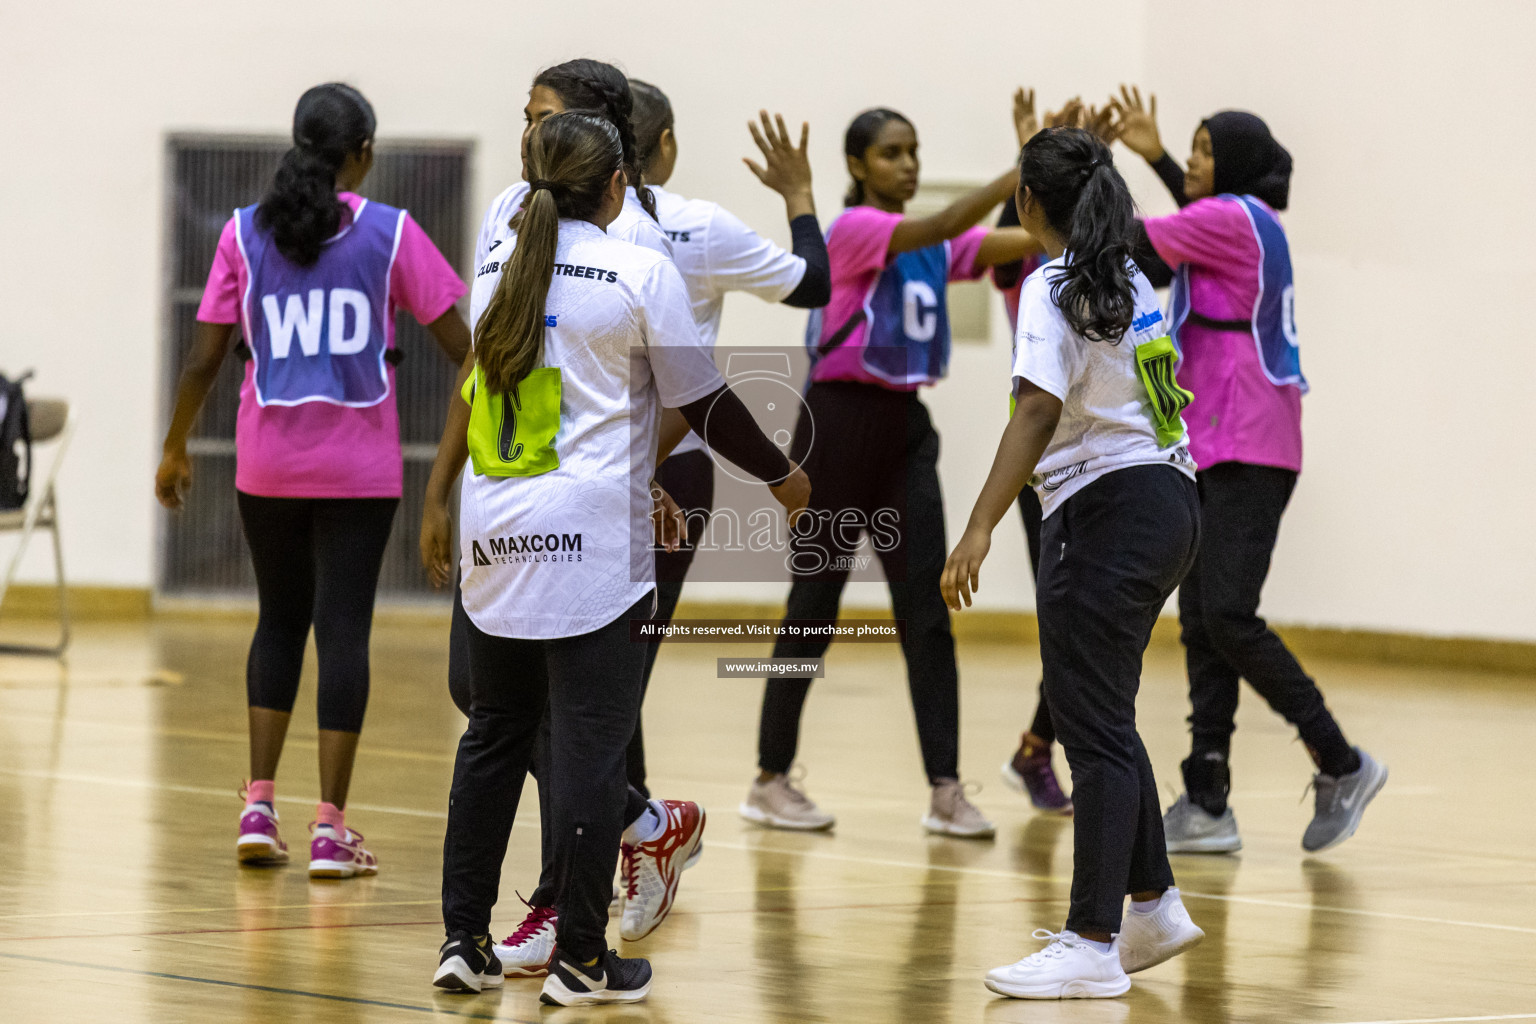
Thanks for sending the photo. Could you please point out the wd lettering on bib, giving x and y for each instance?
(319, 333)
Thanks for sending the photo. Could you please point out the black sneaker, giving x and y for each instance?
(467, 964)
(613, 979)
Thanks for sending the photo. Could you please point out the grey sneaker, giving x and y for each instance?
(1189, 828)
(951, 814)
(778, 804)
(1341, 803)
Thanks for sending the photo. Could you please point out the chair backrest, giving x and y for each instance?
(48, 416)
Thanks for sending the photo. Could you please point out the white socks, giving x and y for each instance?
(646, 827)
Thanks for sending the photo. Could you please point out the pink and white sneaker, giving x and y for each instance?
(528, 952)
(259, 842)
(339, 853)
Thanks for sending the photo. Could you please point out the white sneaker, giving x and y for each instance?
(1148, 939)
(951, 814)
(527, 952)
(778, 804)
(652, 869)
(1067, 968)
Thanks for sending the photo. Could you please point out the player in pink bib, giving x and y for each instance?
(1231, 312)
(313, 275)
(867, 439)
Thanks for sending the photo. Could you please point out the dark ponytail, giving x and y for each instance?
(593, 87)
(861, 134)
(1072, 175)
(301, 211)
(571, 159)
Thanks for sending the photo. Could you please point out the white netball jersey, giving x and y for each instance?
(567, 551)
(716, 253)
(1110, 392)
(632, 224)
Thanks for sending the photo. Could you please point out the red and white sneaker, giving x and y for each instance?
(651, 870)
(527, 952)
(339, 853)
(259, 842)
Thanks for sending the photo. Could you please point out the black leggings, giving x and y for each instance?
(1224, 637)
(317, 562)
(1113, 552)
(873, 450)
(583, 694)
(1030, 512)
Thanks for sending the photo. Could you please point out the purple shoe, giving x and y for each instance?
(339, 853)
(1030, 772)
(259, 842)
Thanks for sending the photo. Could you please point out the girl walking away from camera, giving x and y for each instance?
(716, 253)
(580, 340)
(1232, 322)
(649, 878)
(1097, 429)
(313, 275)
(884, 335)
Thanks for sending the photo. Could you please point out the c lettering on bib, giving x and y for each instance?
(513, 433)
(919, 311)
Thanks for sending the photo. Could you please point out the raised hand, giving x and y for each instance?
(1101, 122)
(1025, 123)
(786, 169)
(1136, 123)
(1069, 116)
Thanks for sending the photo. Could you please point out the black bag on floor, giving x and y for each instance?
(15, 444)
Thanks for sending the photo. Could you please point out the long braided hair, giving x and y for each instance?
(593, 87)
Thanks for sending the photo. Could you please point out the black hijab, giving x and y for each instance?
(1248, 159)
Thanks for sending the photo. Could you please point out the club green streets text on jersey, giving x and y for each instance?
(565, 551)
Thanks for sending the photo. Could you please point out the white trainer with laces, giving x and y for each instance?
(651, 870)
(527, 952)
(1067, 968)
(1149, 938)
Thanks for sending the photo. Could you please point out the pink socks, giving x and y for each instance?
(260, 792)
(330, 814)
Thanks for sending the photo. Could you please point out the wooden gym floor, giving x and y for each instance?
(120, 899)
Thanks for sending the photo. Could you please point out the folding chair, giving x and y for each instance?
(53, 424)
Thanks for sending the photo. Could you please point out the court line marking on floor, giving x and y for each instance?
(246, 986)
(1450, 1020)
(881, 861)
(261, 908)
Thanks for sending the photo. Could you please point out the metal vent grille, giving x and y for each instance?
(203, 551)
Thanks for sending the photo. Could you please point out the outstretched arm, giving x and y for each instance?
(787, 170)
(1023, 443)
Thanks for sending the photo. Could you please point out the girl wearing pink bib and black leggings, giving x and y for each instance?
(1232, 319)
(313, 275)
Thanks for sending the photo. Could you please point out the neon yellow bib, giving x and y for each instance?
(513, 433)
(1154, 362)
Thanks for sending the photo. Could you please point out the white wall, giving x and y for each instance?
(1409, 220)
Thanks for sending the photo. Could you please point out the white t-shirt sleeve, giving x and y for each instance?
(1045, 350)
(738, 259)
(681, 363)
